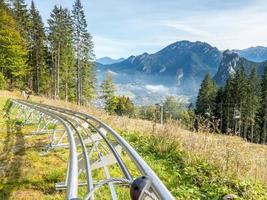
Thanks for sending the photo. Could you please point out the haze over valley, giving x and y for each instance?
(176, 70)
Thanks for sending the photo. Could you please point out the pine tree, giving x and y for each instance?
(22, 17)
(206, 98)
(219, 108)
(54, 37)
(67, 70)
(108, 94)
(84, 54)
(228, 105)
(262, 117)
(88, 78)
(37, 52)
(254, 101)
(60, 35)
(242, 96)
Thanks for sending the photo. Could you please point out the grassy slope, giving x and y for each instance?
(193, 166)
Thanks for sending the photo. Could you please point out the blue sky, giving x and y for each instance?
(121, 28)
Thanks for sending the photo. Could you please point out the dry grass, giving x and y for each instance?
(232, 154)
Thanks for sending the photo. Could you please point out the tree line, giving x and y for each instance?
(239, 107)
(56, 61)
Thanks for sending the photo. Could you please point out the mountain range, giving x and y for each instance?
(178, 70)
(256, 54)
(231, 61)
(108, 60)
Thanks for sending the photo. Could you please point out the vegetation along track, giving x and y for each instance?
(184, 169)
(93, 146)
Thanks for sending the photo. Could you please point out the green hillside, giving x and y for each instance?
(26, 174)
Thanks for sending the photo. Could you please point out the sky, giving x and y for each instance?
(121, 28)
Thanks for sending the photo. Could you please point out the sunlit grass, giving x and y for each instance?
(192, 165)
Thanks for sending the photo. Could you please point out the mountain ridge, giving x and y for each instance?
(256, 54)
(231, 62)
(179, 68)
(107, 60)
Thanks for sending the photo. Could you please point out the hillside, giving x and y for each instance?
(108, 60)
(231, 61)
(178, 68)
(193, 166)
(256, 54)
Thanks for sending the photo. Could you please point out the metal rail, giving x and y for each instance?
(86, 134)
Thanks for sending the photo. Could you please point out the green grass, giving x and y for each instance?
(188, 176)
(25, 174)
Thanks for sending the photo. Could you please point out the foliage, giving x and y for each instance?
(207, 93)
(172, 108)
(12, 50)
(39, 70)
(59, 63)
(187, 117)
(238, 107)
(187, 175)
(108, 93)
(262, 113)
(83, 46)
(60, 36)
(193, 166)
(146, 112)
(124, 106)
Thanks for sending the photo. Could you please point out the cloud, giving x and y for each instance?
(112, 73)
(157, 88)
(181, 26)
(123, 28)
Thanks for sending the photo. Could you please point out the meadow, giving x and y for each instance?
(192, 165)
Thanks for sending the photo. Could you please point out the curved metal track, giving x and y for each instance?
(94, 148)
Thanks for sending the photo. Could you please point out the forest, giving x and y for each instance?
(56, 61)
(237, 108)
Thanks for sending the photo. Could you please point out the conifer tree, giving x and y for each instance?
(37, 56)
(254, 101)
(228, 104)
(60, 36)
(241, 97)
(262, 117)
(22, 17)
(67, 63)
(84, 54)
(206, 97)
(108, 94)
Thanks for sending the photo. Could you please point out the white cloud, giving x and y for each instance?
(226, 29)
(157, 88)
(181, 26)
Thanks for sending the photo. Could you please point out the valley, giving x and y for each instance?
(177, 70)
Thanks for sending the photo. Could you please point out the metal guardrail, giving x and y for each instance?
(86, 137)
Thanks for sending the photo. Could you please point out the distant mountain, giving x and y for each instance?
(184, 62)
(178, 69)
(256, 54)
(108, 60)
(231, 61)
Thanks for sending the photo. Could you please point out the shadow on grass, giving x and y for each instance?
(11, 159)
